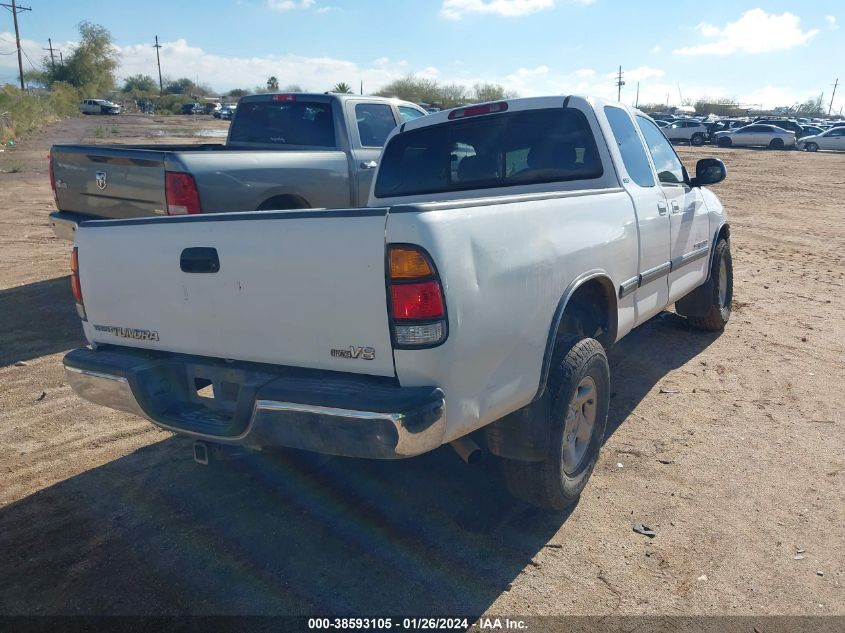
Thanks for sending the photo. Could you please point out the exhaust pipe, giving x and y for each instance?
(467, 450)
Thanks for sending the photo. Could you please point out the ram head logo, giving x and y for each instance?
(101, 180)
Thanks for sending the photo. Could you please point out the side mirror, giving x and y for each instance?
(709, 171)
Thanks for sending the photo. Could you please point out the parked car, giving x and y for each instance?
(723, 124)
(687, 130)
(98, 106)
(283, 151)
(834, 138)
(770, 136)
(661, 123)
(390, 331)
(786, 124)
(226, 112)
(192, 108)
(811, 130)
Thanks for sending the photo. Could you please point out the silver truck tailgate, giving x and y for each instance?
(109, 182)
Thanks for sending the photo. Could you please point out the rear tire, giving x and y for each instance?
(697, 139)
(776, 143)
(812, 147)
(722, 276)
(725, 142)
(579, 392)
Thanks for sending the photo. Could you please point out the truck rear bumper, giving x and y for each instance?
(64, 224)
(262, 406)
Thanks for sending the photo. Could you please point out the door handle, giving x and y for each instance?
(370, 164)
(662, 208)
(675, 206)
(199, 260)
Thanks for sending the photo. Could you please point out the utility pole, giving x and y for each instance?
(619, 84)
(830, 107)
(158, 59)
(50, 48)
(637, 102)
(15, 10)
(362, 86)
(61, 59)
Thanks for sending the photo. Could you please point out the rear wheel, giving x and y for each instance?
(812, 147)
(776, 143)
(697, 139)
(725, 142)
(579, 389)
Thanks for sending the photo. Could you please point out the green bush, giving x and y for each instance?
(24, 112)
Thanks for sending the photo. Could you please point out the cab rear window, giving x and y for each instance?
(501, 150)
(284, 123)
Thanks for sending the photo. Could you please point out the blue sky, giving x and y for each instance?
(768, 53)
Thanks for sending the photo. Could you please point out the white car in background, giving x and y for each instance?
(834, 138)
(760, 134)
(98, 106)
(693, 132)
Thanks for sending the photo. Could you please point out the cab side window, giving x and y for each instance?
(375, 122)
(409, 114)
(630, 146)
(666, 162)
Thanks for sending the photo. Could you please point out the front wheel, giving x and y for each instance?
(725, 142)
(579, 392)
(720, 291)
(776, 143)
(697, 139)
(812, 147)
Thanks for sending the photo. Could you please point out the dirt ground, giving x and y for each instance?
(730, 447)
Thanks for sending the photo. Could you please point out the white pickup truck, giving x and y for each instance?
(505, 247)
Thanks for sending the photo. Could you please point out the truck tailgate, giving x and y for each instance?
(297, 288)
(109, 182)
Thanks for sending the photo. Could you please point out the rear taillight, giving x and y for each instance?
(181, 192)
(53, 179)
(416, 303)
(75, 286)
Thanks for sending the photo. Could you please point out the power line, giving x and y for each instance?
(15, 10)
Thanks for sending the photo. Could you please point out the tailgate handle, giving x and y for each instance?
(199, 259)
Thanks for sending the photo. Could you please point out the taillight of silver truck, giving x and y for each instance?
(182, 194)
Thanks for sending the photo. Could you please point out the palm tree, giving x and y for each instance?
(343, 88)
(272, 84)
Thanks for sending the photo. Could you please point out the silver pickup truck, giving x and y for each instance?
(283, 151)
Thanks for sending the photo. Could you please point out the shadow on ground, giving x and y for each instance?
(154, 533)
(38, 319)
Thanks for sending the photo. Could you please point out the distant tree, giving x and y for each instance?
(491, 92)
(185, 86)
(812, 107)
(140, 84)
(273, 84)
(293, 88)
(414, 89)
(90, 67)
(718, 107)
(237, 93)
(342, 88)
(452, 95)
